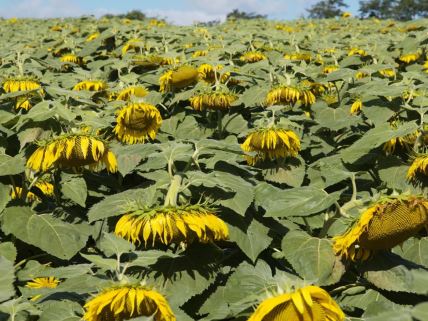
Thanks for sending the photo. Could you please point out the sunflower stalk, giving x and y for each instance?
(174, 188)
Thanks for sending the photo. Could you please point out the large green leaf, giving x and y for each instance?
(7, 277)
(50, 234)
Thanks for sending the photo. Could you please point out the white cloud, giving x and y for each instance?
(185, 17)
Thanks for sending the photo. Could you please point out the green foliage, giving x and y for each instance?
(326, 9)
(281, 213)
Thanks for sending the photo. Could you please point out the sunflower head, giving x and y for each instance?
(400, 143)
(418, 170)
(199, 53)
(134, 44)
(179, 78)
(346, 14)
(307, 303)
(72, 151)
(92, 36)
(72, 58)
(128, 302)
(91, 85)
(270, 143)
(45, 187)
(50, 282)
(24, 83)
(356, 106)
(136, 122)
(127, 93)
(299, 56)
(409, 57)
(252, 56)
(329, 69)
(357, 52)
(215, 100)
(172, 224)
(388, 72)
(283, 94)
(382, 226)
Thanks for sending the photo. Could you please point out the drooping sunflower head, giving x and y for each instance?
(127, 93)
(409, 57)
(199, 53)
(356, 106)
(400, 143)
(252, 56)
(382, 226)
(346, 14)
(270, 143)
(92, 36)
(418, 170)
(178, 78)
(172, 224)
(45, 187)
(154, 61)
(357, 51)
(128, 302)
(24, 83)
(214, 100)
(298, 56)
(329, 69)
(387, 72)
(72, 151)
(307, 303)
(282, 94)
(361, 74)
(134, 44)
(91, 85)
(71, 58)
(136, 122)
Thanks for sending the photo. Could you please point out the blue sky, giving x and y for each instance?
(175, 11)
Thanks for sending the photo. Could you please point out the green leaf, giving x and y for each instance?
(111, 244)
(11, 165)
(7, 277)
(420, 311)
(121, 203)
(311, 257)
(60, 311)
(50, 234)
(300, 201)
(101, 262)
(74, 188)
(414, 250)
(4, 196)
(8, 250)
(292, 173)
(252, 241)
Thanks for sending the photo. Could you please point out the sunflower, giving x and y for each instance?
(136, 122)
(252, 56)
(72, 58)
(92, 36)
(283, 94)
(199, 53)
(425, 66)
(388, 72)
(39, 283)
(172, 224)
(154, 61)
(329, 69)
(72, 151)
(128, 302)
(382, 226)
(208, 72)
(21, 84)
(216, 100)
(410, 57)
(356, 106)
(42, 283)
(298, 56)
(45, 187)
(134, 44)
(357, 51)
(176, 79)
(271, 143)
(307, 97)
(346, 14)
(361, 74)
(307, 303)
(127, 93)
(405, 142)
(418, 169)
(91, 85)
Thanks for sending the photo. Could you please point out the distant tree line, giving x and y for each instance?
(132, 15)
(382, 9)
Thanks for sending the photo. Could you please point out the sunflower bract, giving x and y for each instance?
(307, 303)
(128, 302)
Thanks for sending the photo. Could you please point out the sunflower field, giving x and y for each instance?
(251, 170)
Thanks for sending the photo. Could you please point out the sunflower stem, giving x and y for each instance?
(219, 124)
(174, 188)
